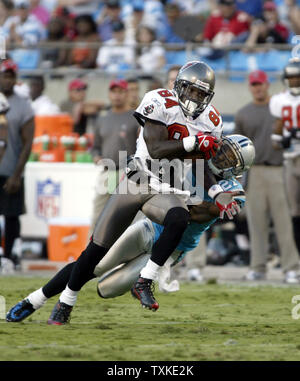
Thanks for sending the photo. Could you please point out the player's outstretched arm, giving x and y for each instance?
(159, 147)
(280, 141)
(204, 212)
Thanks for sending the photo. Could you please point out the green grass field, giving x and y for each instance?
(200, 322)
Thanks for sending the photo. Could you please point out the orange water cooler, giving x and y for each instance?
(67, 238)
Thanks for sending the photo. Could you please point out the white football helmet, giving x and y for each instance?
(291, 70)
(235, 156)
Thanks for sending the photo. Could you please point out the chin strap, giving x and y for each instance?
(295, 91)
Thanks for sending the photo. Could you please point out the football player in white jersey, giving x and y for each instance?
(120, 267)
(285, 107)
(174, 124)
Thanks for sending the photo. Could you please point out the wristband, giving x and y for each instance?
(189, 143)
(214, 190)
(276, 137)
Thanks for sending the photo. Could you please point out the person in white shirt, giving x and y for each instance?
(117, 53)
(41, 104)
(24, 28)
(151, 55)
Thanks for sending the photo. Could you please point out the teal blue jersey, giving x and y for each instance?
(194, 231)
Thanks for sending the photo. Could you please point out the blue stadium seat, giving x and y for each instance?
(26, 59)
(217, 65)
(180, 58)
(271, 61)
(176, 58)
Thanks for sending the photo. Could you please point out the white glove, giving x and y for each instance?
(225, 201)
(4, 105)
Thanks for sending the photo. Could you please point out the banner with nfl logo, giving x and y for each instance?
(56, 190)
(48, 199)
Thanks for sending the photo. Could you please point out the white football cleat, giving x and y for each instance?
(291, 277)
(7, 266)
(194, 275)
(255, 275)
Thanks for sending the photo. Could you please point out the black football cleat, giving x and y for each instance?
(143, 291)
(20, 311)
(61, 314)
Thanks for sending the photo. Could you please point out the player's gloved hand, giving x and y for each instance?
(4, 105)
(225, 201)
(206, 144)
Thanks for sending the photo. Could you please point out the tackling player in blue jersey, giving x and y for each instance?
(132, 250)
(120, 268)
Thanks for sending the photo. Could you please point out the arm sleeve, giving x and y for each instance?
(27, 111)
(274, 107)
(218, 130)
(151, 108)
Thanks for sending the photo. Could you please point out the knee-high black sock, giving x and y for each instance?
(83, 270)
(296, 228)
(58, 283)
(12, 231)
(175, 223)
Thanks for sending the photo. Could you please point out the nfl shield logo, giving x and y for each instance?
(48, 199)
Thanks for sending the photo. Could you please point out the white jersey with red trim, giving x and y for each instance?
(161, 105)
(286, 107)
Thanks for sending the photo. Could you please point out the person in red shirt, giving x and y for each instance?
(268, 29)
(226, 25)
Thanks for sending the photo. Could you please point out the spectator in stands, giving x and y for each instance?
(39, 11)
(41, 104)
(226, 25)
(20, 119)
(133, 97)
(267, 29)
(24, 28)
(54, 56)
(110, 14)
(6, 10)
(116, 131)
(154, 14)
(200, 8)
(134, 20)
(166, 32)
(78, 107)
(86, 32)
(68, 20)
(117, 54)
(289, 14)
(266, 196)
(171, 76)
(150, 55)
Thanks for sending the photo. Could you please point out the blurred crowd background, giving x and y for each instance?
(148, 35)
